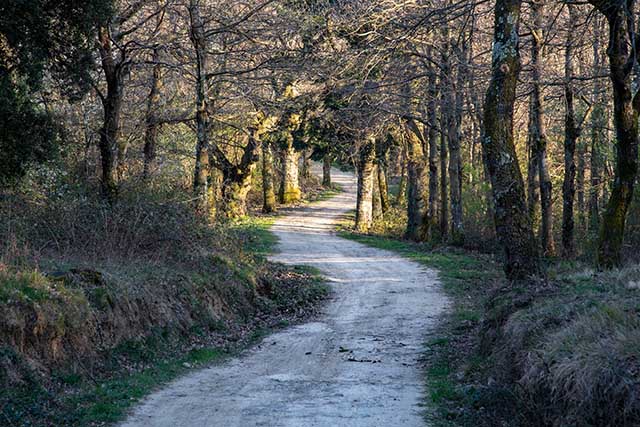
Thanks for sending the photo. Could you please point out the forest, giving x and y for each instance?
(184, 181)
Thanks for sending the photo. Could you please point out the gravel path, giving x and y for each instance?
(357, 365)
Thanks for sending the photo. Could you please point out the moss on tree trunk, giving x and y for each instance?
(513, 224)
(364, 207)
(626, 107)
(290, 186)
(268, 188)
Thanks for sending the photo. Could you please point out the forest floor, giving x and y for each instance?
(358, 364)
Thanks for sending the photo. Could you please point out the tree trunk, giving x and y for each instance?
(376, 203)
(402, 185)
(326, 171)
(151, 120)
(111, 103)
(415, 171)
(533, 185)
(364, 207)
(513, 224)
(455, 159)
(202, 167)
(444, 201)
(236, 185)
(268, 190)
(237, 177)
(539, 133)
(384, 187)
(290, 185)
(431, 213)
(598, 126)
(626, 107)
(580, 179)
(382, 163)
(571, 135)
(306, 164)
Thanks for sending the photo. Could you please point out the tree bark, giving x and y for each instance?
(382, 154)
(326, 171)
(444, 186)
(402, 185)
(306, 163)
(290, 185)
(455, 158)
(151, 119)
(364, 207)
(112, 105)
(580, 181)
(268, 189)
(384, 187)
(236, 182)
(539, 133)
(571, 135)
(533, 186)
(626, 107)
(431, 213)
(598, 126)
(376, 202)
(513, 224)
(415, 171)
(202, 167)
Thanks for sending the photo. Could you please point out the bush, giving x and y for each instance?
(51, 216)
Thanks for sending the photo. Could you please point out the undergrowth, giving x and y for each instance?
(111, 301)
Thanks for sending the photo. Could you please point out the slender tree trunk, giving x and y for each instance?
(539, 135)
(580, 180)
(376, 202)
(382, 161)
(384, 188)
(151, 120)
(326, 171)
(626, 107)
(415, 170)
(268, 189)
(364, 208)
(533, 185)
(306, 163)
(431, 213)
(444, 201)
(455, 158)
(513, 224)
(202, 167)
(402, 185)
(598, 126)
(571, 134)
(290, 185)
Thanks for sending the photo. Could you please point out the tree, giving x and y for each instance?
(623, 56)
(35, 36)
(539, 137)
(513, 224)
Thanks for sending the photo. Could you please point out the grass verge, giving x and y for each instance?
(563, 356)
(466, 279)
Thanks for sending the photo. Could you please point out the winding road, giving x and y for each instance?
(357, 365)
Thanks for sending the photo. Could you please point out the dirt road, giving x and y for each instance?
(355, 366)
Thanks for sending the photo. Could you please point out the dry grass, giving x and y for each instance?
(573, 355)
